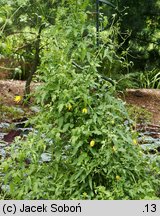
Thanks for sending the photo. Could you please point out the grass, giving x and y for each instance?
(138, 114)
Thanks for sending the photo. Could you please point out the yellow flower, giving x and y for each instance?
(118, 177)
(112, 122)
(92, 143)
(85, 195)
(135, 142)
(84, 110)
(69, 107)
(114, 149)
(17, 98)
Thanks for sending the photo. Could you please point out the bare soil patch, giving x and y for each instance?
(11, 88)
(148, 99)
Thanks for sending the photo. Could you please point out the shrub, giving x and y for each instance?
(93, 154)
(90, 152)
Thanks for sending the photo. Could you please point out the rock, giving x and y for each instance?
(19, 110)
(2, 136)
(2, 153)
(35, 109)
(4, 125)
(46, 157)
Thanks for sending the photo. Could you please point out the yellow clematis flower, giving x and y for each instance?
(17, 98)
(69, 107)
(92, 143)
(112, 122)
(114, 149)
(84, 110)
(118, 177)
(135, 142)
(85, 195)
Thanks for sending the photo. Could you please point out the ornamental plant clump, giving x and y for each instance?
(92, 157)
(81, 128)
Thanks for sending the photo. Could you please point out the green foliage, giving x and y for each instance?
(81, 126)
(149, 79)
(77, 170)
(138, 37)
(142, 79)
(144, 37)
(129, 33)
(19, 25)
(138, 114)
(9, 112)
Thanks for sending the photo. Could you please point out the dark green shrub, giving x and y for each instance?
(90, 151)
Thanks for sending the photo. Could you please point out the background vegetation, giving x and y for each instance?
(82, 129)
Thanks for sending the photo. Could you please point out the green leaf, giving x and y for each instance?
(60, 107)
(76, 176)
(60, 121)
(83, 156)
(66, 127)
(77, 146)
(90, 182)
(108, 55)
